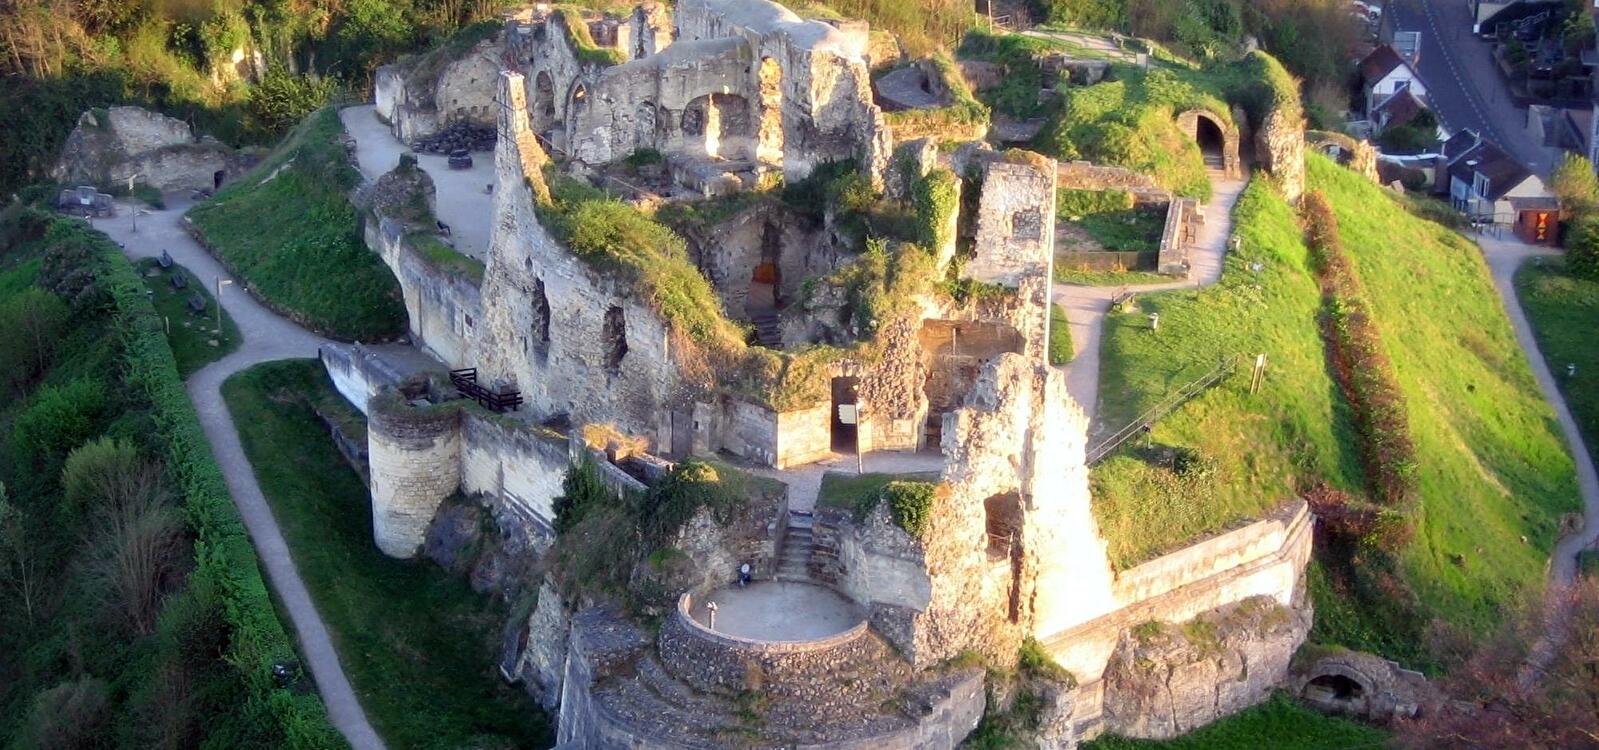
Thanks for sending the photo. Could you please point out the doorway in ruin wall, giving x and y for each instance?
(544, 99)
(954, 352)
(769, 143)
(845, 422)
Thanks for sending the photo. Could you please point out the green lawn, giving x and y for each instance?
(419, 646)
(851, 491)
(290, 231)
(1278, 724)
(1564, 311)
(1493, 468)
(1067, 275)
(189, 333)
(1242, 454)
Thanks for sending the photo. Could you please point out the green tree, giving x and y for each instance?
(20, 575)
(59, 419)
(34, 321)
(1582, 247)
(1576, 185)
(280, 100)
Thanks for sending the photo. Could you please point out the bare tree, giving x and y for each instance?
(19, 563)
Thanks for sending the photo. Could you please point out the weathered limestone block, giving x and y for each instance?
(109, 146)
(418, 97)
(1166, 679)
(416, 463)
(1280, 148)
(537, 647)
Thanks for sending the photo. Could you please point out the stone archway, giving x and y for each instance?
(645, 126)
(1217, 139)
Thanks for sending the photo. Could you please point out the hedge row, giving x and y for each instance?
(223, 553)
(1360, 363)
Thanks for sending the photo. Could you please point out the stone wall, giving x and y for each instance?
(607, 357)
(517, 468)
(418, 97)
(1189, 123)
(1359, 155)
(415, 454)
(442, 308)
(358, 374)
(1015, 242)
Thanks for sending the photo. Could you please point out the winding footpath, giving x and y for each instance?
(1504, 257)
(1086, 306)
(267, 337)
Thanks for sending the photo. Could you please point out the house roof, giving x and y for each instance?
(1381, 62)
(1400, 107)
(1488, 159)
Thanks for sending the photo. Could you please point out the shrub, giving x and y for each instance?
(280, 99)
(1582, 248)
(139, 548)
(74, 715)
(582, 491)
(59, 419)
(68, 270)
(110, 471)
(1360, 363)
(1576, 185)
(34, 321)
(936, 202)
(911, 504)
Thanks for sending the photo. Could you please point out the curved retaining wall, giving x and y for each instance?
(804, 670)
(415, 456)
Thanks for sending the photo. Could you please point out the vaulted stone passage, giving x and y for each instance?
(544, 97)
(614, 334)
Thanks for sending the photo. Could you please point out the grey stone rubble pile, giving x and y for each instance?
(457, 136)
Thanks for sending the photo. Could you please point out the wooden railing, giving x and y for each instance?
(465, 381)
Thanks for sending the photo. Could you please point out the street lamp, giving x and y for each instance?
(221, 282)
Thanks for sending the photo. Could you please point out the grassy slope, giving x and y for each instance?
(418, 645)
(1564, 312)
(1492, 466)
(189, 333)
(294, 237)
(1288, 726)
(1265, 444)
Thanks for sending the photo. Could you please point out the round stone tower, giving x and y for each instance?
(415, 455)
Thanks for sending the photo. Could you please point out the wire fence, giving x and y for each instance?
(1147, 420)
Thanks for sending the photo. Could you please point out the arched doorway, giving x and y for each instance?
(1338, 693)
(644, 125)
(1212, 142)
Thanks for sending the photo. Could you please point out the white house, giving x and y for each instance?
(1384, 73)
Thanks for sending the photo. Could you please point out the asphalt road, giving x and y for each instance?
(1465, 86)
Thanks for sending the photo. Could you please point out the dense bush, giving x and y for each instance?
(911, 504)
(60, 418)
(34, 321)
(936, 200)
(1360, 363)
(582, 491)
(1582, 248)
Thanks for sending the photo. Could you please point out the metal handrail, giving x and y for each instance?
(1157, 412)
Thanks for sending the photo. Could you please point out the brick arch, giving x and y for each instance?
(1204, 126)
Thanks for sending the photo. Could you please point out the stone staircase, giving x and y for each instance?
(768, 330)
(794, 556)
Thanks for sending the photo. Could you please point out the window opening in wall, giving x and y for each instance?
(1002, 515)
(544, 95)
(541, 317)
(614, 336)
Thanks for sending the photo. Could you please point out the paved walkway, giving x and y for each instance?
(460, 200)
(267, 337)
(1504, 257)
(1086, 306)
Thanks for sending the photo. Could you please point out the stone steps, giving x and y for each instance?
(768, 330)
(799, 543)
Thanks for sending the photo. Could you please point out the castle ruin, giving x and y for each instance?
(925, 354)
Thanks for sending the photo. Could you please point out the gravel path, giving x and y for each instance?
(1086, 306)
(1504, 257)
(267, 337)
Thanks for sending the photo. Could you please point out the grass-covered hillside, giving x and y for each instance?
(1564, 311)
(290, 232)
(1491, 470)
(1229, 455)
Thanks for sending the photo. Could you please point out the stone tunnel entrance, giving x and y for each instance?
(1336, 693)
(1211, 142)
(1217, 140)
